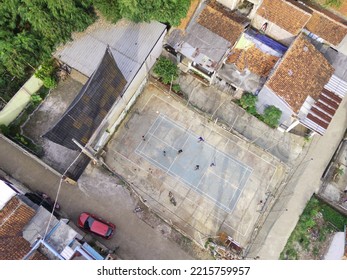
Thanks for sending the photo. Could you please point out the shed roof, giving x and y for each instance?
(302, 72)
(129, 42)
(91, 105)
(13, 218)
(327, 28)
(289, 15)
(222, 21)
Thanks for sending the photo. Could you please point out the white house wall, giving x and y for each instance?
(342, 47)
(273, 30)
(267, 97)
(231, 4)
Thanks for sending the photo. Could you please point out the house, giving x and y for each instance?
(23, 224)
(283, 20)
(14, 216)
(113, 60)
(251, 61)
(207, 40)
(303, 86)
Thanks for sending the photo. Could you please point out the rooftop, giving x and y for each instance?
(222, 21)
(326, 28)
(253, 54)
(302, 72)
(129, 42)
(13, 218)
(289, 15)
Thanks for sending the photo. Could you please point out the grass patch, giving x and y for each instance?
(308, 239)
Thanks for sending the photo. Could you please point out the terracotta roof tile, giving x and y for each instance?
(302, 72)
(253, 59)
(13, 217)
(222, 21)
(288, 15)
(326, 28)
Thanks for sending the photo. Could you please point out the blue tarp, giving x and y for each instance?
(267, 40)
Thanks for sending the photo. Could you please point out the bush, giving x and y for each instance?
(36, 99)
(166, 70)
(176, 88)
(47, 73)
(248, 101)
(272, 116)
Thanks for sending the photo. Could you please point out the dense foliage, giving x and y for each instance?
(29, 31)
(166, 70)
(167, 11)
(272, 116)
(248, 101)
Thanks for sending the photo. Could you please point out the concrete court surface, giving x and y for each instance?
(227, 196)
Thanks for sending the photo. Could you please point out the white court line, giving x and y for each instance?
(212, 129)
(137, 148)
(156, 96)
(151, 135)
(178, 179)
(244, 168)
(185, 142)
(212, 147)
(224, 206)
(240, 147)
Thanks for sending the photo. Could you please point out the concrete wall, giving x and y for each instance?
(273, 30)
(267, 97)
(231, 4)
(123, 104)
(342, 47)
(20, 100)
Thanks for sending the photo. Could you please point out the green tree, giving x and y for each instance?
(248, 101)
(166, 70)
(167, 11)
(272, 116)
(30, 30)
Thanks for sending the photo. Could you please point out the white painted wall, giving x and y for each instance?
(267, 97)
(231, 4)
(342, 47)
(273, 30)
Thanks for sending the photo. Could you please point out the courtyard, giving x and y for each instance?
(197, 176)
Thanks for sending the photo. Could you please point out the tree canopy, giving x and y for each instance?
(30, 29)
(167, 11)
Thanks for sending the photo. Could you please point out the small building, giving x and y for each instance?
(27, 231)
(283, 20)
(303, 86)
(251, 61)
(207, 40)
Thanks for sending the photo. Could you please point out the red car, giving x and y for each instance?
(96, 225)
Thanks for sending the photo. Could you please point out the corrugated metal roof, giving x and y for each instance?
(129, 42)
(322, 111)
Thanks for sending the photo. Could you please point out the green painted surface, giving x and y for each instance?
(18, 102)
(243, 43)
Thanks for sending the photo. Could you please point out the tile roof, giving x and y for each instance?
(302, 72)
(326, 28)
(253, 59)
(222, 21)
(289, 15)
(13, 218)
